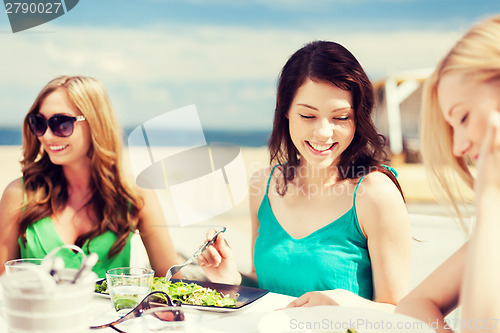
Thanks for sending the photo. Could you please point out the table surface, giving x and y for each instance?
(244, 320)
(247, 319)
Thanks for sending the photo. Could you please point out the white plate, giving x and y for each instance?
(335, 319)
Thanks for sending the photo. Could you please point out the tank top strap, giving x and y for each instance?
(269, 179)
(356, 190)
(394, 172)
(24, 193)
(361, 179)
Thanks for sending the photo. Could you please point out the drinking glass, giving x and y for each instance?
(128, 286)
(17, 265)
(34, 302)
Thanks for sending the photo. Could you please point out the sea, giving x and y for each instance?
(242, 138)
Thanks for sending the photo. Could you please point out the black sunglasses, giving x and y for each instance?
(155, 299)
(59, 124)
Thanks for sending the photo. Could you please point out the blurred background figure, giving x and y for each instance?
(461, 129)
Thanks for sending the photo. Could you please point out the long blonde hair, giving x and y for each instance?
(114, 202)
(477, 56)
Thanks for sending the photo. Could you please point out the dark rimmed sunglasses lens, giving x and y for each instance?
(38, 125)
(61, 125)
(167, 320)
(169, 315)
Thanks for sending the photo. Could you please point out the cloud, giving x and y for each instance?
(204, 53)
(228, 70)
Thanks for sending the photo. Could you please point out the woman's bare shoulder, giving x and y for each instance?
(261, 176)
(377, 193)
(376, 185)
(14, 191)
(10, 204)
(258, 186)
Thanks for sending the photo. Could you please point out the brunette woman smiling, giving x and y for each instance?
(329, 222)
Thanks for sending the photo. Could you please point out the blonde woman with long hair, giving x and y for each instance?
(461, 127)
(73, 189)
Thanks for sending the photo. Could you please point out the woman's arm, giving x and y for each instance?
(438, 294)
(10, 213)
(480, 292)
(384, 219)
(218, 261)
(480, 295)
(258, 184)
(338, 297)
(155, 235)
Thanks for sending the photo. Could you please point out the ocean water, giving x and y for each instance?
(242, 138)
(10, 137)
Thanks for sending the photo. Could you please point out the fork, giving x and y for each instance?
(175, 268)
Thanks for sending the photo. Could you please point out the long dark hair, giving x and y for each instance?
(328, 62)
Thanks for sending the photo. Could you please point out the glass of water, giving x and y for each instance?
(127, 286)
(17, 265)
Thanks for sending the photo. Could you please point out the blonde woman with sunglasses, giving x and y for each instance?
(73, 189)
(461, 123)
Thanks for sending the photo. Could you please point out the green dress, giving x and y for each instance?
(42, 237)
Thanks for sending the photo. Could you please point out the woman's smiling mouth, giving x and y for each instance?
(57, 148)
(320, 147)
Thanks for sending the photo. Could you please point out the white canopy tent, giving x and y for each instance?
(398, 95)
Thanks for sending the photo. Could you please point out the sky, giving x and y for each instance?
(224, 56)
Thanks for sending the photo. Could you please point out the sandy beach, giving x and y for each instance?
(438, 235)
(411, 176)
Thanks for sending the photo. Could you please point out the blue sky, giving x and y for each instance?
(287, 14)
(222, 55)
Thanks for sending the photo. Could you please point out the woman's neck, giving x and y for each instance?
(319, 177)
(78, 179)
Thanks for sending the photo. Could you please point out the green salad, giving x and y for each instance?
(186, 293)
(101, 287)
(192, 293)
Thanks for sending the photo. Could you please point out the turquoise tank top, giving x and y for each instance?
(333, 257)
